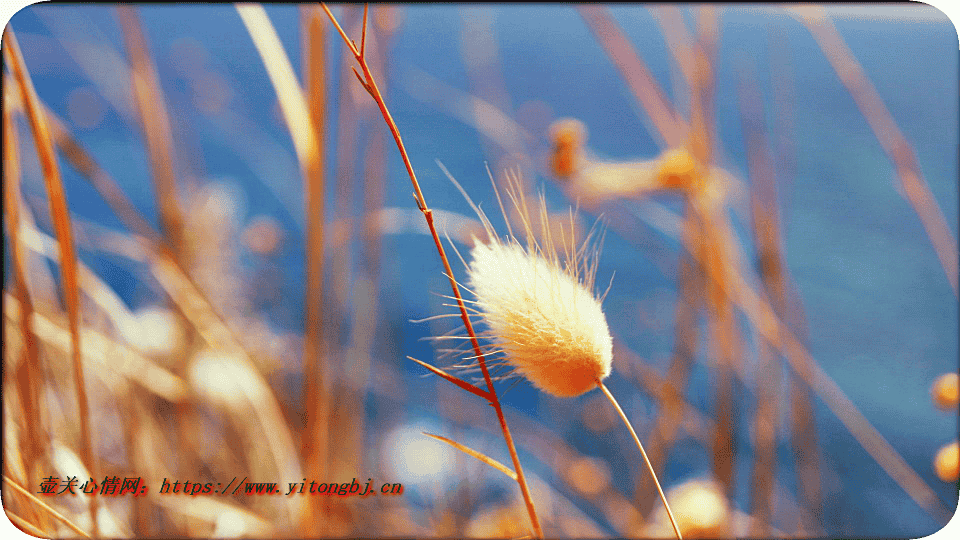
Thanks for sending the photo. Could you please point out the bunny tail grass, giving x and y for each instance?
(646, 460)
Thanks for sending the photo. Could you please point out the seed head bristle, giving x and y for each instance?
(538, 304)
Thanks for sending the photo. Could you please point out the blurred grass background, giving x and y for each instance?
(192, 298)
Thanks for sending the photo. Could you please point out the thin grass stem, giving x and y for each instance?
(370, 85)
(668, 125)
(25, 525)
(45, 506)
(28, 370)
(60, 213)
(646, 460)
(156, 127)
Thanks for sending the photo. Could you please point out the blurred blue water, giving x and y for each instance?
(882, 319)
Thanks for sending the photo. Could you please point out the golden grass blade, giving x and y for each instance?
(292, 102)
(725, 342)
(367, 299)
(767, 239)
(25, 525)
(103, 352)
(668, 125)
(473, 453)
(894, 143)
(455, 380)
(370, 85)
(315, 353)
(45, 506)
(59, 211)
(487, 118)
(156, 127)
(803, 421)
(646, 460)
(27, 372)
(702, 88)
(305, 128)
(84, 163)
(679, 41)
(349, 117)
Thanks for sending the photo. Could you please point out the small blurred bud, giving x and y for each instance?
(677, 169)
(568, 136)
(947, 462)
(701, 510)
(588, 476)
(498, 522)
(945, 391)
(263, 235)
(155, 332)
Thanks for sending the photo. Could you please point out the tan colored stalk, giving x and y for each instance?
(306, 131)
(59, 211)
(156, 127)
(669, 390)
(669, 126)
(365, 318)
(646, 460)
(28, 368)
(24, 524)
(370, 85)
(316, 398)
(44, 505)
(766, 233)
(806, 450)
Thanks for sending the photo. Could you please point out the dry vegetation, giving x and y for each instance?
(197, 386)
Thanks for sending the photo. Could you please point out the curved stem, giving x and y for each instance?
(646, 460)
(370, 85)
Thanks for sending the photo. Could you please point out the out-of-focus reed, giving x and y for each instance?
(196, 383)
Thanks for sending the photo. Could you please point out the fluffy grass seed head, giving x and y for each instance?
(539, 307)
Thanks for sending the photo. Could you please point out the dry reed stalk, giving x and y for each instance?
(101, 180)
(59, 211)
(154, 120)
(481, 114)
(678, 38)
(348, 120)
(668, 125)
(187, 296)
(367, 305)
(350, 116)
(766, 233)
(305, 123)
(480, 456)
(314, 441)
(45, 506)
(725, 338)
(156, 128)
(763, 318)
(104, 353)
(671, 128)
(27, 373)
(480, 54)
(25, 525)
(803, 433)
(894, 143)
(370, 85)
